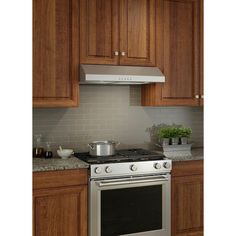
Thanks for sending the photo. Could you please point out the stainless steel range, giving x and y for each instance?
(129, 194)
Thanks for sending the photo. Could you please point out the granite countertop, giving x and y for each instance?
(41, 164)
(197, 154)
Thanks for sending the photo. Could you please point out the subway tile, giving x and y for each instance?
(111, 112)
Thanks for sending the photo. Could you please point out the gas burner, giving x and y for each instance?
(135, 152)
(125, 155)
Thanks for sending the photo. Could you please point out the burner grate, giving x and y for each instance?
(125, 155)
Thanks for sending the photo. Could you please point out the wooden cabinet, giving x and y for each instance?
(99, 31)
(163, 33)
(179, 54)
(55, 53)
(187, 198)
(60, 203)
(137, 32)
(117, 32)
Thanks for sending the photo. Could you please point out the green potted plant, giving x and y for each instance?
(164, 135)
(174, 135)
(184, 134)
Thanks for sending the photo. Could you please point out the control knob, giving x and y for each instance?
(157, 166)
(108, 169)
(166, 165)
(133, 167)
(98, 170)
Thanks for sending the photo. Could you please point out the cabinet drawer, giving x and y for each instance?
(59, 178)
(182, 168)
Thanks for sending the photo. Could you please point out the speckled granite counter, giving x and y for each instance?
(197, 154)
(41, 164)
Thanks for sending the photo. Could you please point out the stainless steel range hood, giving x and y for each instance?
(103, 74)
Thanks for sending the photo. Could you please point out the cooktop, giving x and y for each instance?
(124, 155)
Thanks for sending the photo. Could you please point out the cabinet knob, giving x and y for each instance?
(202, 96)
(116, 53)
(123, 54)
(197, 96)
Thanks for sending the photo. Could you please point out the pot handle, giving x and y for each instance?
(91, 146)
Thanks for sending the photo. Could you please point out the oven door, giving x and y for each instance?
(134, 206)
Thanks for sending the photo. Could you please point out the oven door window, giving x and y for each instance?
(131, 210)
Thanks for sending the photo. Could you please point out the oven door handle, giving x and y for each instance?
(132, 181)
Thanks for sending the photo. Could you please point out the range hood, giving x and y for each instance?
(105, 74)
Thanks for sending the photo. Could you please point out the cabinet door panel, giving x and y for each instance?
(59, 212)
(99, 31)
(181, 46)
(201, 55)
(187, 205)
(137, 32)
(55, 52)
(179, 54)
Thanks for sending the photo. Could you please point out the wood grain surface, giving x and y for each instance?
(179, 54)
(187, 198)
(55, 53)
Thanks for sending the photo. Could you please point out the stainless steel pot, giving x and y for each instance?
(102, 148)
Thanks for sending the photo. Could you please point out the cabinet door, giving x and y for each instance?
(179, 54)
(187, 206)
(99, 31)
(201, 55)
(137, 32)
(55, 53)
(60, 212)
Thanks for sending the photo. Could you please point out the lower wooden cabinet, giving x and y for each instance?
(187, 198)
(60, 210)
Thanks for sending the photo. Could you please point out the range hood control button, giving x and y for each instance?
(157, 166)
(133, 167)
(108, 169)
(98, 170)
(166, 165)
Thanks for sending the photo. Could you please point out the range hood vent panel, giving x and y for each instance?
(103, 74)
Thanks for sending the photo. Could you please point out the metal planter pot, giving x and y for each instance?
(102, 148)
(164, 141)
(184, 140)
(174, 141)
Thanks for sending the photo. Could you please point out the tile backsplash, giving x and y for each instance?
(111, 112)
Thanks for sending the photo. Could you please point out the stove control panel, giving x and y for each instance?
(130, 168)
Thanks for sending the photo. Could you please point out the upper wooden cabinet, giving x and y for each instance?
(117, 32)
(137, 32)
(55, 53)
(163, 33)
(179, 54)
(99, 31)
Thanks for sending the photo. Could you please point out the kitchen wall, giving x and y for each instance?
(111, 112)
